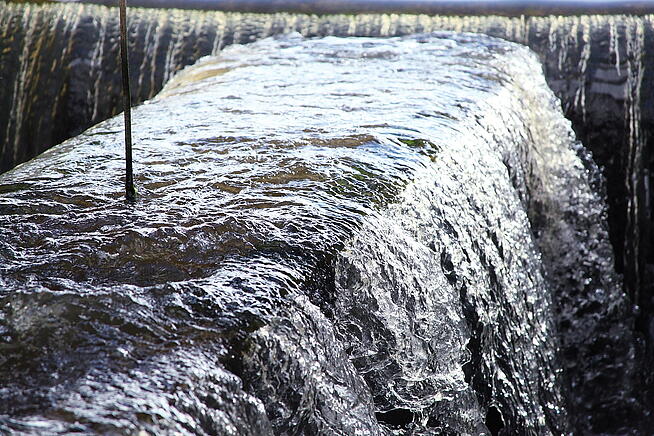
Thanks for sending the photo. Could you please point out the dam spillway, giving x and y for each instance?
(314, 251)
(596, 67)
(59, 64)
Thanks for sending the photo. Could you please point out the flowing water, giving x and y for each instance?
(69, 53)
(60, 74)
(333, 236)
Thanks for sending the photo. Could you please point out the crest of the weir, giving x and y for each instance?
(60, 74)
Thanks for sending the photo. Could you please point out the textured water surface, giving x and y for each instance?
(332, 236)
(59, 64)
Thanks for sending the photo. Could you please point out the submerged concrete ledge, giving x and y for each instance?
(333, 236)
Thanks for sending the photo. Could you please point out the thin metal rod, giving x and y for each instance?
(130, 191)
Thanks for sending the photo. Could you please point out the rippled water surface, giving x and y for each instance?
(334, 236)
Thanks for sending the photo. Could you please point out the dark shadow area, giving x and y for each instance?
(494, 421)
(396, 418)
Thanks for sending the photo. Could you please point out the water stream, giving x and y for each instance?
(60, 75)
(333, 236)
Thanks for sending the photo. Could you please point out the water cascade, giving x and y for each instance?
(334, 236)
(60, 64)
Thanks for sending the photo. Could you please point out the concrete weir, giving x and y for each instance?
(60, 64)
(60, 74)
(333, 236)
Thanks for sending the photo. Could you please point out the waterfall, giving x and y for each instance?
(59, 64)
(333, 236)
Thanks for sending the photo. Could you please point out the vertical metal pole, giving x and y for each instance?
(130, 192)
